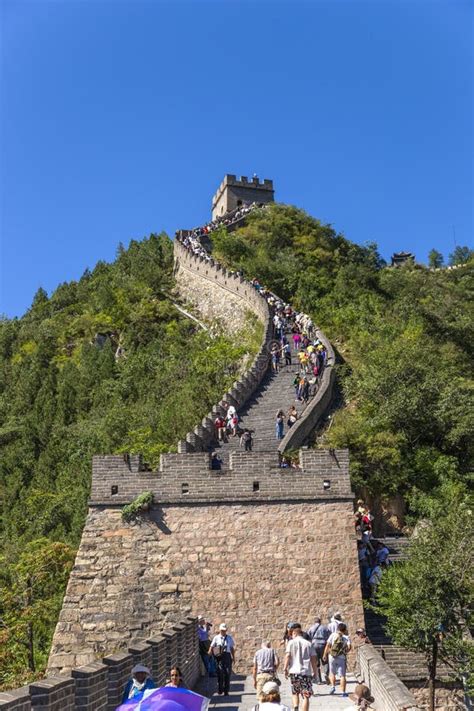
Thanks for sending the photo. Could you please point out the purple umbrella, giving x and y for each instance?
(167, 698)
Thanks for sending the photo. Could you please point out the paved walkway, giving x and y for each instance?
(242, 696)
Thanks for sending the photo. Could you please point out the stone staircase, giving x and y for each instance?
(275, 392)
(408, 666)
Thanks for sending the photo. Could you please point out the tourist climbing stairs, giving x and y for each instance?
(276, 391)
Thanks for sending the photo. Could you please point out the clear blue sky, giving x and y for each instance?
(120, 118)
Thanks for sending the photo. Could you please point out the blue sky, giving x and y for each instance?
(120, 118)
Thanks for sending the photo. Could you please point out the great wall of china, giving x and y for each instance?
(253, 543)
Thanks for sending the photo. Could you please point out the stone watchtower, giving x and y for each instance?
(233, 192)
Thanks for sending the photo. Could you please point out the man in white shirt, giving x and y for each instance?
(301, 665)
(223, 650)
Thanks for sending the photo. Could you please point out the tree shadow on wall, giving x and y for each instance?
(157, 517)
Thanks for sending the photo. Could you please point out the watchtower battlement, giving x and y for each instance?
(233, 192)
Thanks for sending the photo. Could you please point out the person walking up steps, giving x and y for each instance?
(279, 424)
(246, 440)
(319, 634)
(337, 648)
(300, 664)
(265, 665)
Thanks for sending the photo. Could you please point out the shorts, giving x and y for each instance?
(262, 679)
(301, 684)
(337, 664)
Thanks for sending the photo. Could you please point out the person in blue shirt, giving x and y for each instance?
(140, 681)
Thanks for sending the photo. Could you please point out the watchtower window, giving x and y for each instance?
(185, 488)
(114, 490)
(256, 486)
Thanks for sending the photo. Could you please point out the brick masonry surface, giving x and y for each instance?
(99, 685)
(251, 476)
(219, 295)
(256, 566)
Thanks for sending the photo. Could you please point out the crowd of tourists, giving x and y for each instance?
(192, 238)
(310, 657)
(374, 556)
(295, 337)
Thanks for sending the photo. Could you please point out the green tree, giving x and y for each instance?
(427, 598)
(31, 591)
(460, 255)
(435, 259)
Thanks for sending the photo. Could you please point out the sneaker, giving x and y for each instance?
(345, 694)
(333, 690)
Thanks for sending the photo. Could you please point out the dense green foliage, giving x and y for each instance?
(427, 599)
(106, 364)
(405, 339)
(31, 592)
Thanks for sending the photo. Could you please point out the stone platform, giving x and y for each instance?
(242, 695)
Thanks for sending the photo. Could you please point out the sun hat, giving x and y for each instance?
(140, 668)
(361, 691)
(270, 686)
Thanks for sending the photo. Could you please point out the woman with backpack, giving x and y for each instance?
(337, 648)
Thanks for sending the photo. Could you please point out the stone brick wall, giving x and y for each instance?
(231, 190)
(252, 476)
(389, 692)
(255, 564)
(226, 298)
(218, 294)
(99, 685)
(449, 695)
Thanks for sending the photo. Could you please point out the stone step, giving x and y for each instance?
(409, 665)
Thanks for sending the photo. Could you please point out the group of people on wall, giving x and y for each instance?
(313, 657)
(317, 656)
(294, 335)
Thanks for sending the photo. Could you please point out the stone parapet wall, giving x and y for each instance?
(251, 476)
(316, 408)
(225, 297)
(255, 565)
(99, 685)
(389, 692)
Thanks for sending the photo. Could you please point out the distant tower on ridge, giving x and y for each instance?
(233, 192)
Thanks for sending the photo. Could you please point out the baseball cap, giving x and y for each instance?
(269, 686)
(223, 626)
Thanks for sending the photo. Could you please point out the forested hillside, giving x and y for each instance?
(106, 364)
(405, 340)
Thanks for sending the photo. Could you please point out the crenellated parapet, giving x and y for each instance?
(228, 297)
(99, 685)
(234, 191)
(185, 478)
